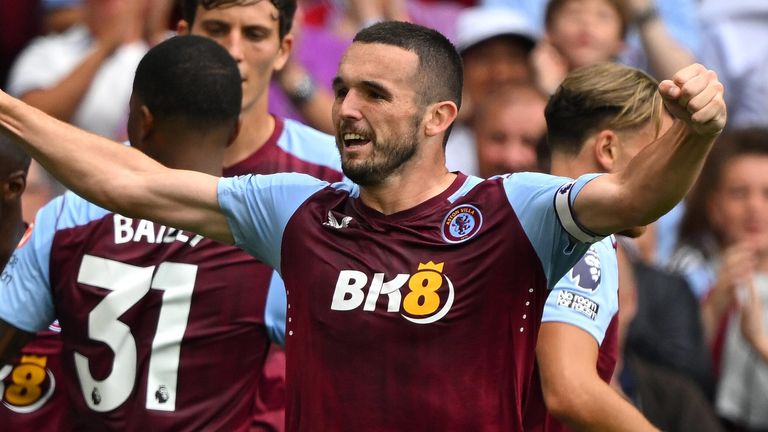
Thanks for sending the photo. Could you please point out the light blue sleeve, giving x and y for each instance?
(543, 203)
(587, 296)
(26, 300)
(275, 310)
(258, 208)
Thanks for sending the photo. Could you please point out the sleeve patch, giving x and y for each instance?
(571, 300)
(586, 274)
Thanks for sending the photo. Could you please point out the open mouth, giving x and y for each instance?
(351, 139)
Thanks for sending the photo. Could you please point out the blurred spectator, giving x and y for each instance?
(668, 399)
(667, 329)
(736, 36)
(84, 75)
(60, 15)
(495, 45)
(724, 250)
(647, 37)
(508, 127)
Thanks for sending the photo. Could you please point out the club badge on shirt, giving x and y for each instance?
(461, 223)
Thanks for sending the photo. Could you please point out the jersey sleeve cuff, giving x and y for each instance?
(564, 199)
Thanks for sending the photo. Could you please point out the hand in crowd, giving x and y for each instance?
(752, 321)
(695, 96)
(736, 270)
(636, 8)
(548, 65)
(368, 11)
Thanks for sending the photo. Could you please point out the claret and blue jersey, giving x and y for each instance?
(420, 320)
(163, 329)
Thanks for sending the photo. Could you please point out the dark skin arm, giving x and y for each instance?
(11, 341)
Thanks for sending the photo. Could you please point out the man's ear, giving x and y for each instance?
(439, 117)
(235, 132)
(14, 185)
(147, 123)
(286, 47)
(605, 149)
(183, 28)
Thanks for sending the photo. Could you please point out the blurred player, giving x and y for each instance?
(30, 383)
(164, 329)
(600, 118)
(394, 320)
(257, 35)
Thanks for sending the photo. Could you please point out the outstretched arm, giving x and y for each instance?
(114, 176)
(662, 173)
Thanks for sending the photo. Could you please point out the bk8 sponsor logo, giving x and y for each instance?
(27, 385)
(421, 304)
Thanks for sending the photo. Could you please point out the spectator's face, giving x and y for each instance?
(494, 63)
(586, 32)
(739, 206)
(507, 136)
(251, 35)
(375, 111)
(102, 15)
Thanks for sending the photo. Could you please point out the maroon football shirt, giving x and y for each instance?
(163, 330)
(421, 320)
(292, 147)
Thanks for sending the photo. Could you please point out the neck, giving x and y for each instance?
(10, 233)
(174, 150)
(256, 126)
(417, 181)
(572, 166)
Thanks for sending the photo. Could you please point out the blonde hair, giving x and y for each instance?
(601, 96)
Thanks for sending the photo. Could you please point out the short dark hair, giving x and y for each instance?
(440, 67)
(441, 71)
(190, 78)
(286, 10)
(12, 157)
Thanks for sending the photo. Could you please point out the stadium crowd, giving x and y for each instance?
(121, 309)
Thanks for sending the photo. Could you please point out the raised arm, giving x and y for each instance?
(117, 177)
(662, 173)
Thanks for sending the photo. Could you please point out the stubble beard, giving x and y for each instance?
(385, 160)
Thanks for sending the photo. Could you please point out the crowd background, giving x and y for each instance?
(695, 296)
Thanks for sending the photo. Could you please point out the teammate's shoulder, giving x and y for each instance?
(293, 127)
(271, 183)
(533, 179)
(309, 144)
(69, 210)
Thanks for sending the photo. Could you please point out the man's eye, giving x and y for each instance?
(216, 31)
(341, 92)
(255, 35)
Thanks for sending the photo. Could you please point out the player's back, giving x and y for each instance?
(163, 329)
